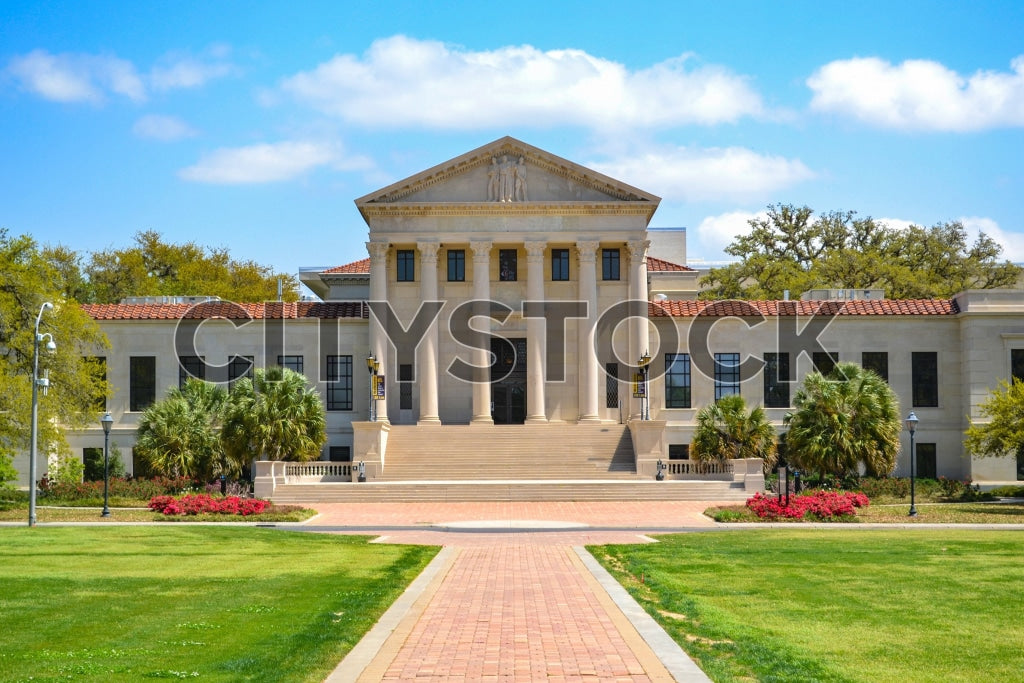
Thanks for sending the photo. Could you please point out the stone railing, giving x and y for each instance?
(690, 469)
(316, 471)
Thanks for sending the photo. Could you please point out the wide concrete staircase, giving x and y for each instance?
(550, 462)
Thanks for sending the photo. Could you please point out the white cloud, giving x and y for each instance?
(163, 128)
(265, 163)
(76, 77)
(715, 233)
(402, 81)
(1012, 242)
(184, 71)
(694, 174)
(920, 94)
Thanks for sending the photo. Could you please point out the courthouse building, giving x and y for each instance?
(510, 295)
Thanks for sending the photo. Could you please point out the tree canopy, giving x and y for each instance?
(726, 430)
(275, 415)
(153, 267)
(1003, 433)
(843, 420)
(77, 380)
(794, 249)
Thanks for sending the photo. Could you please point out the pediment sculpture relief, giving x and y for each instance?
(506, 180)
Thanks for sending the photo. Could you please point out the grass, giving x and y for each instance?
(836, 604)
(222, 604)
(927, 513)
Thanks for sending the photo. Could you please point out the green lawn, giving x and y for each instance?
(221, 604)
(836, 605)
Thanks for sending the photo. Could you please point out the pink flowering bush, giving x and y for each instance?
(204, 504)
(822, 505)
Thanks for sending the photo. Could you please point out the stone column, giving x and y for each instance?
(588, 369)
(536, 336)
(379, 292)
(426, 356)
(638, 335)
(481, 354)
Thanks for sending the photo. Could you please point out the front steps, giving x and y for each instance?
(504, 491)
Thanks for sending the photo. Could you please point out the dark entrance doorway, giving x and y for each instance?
(508, 394)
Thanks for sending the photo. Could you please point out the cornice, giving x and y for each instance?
(475, 209)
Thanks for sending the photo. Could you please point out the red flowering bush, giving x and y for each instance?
(204, 504)
(822, 505)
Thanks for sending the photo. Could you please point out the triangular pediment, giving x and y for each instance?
(507, 173)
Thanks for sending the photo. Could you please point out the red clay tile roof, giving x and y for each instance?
(361, 267)
(653, 264)
(658, 265)
(683, 309)
(271, 310)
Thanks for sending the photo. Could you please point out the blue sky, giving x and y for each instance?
(255, 126)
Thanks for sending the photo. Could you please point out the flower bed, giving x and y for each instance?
(821, 505)
(204, 504)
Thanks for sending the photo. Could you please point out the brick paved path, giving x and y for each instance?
(513, 606)
(520, 613)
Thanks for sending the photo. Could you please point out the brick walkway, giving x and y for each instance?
(509, 605)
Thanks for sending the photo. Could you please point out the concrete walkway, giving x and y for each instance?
(513, 596)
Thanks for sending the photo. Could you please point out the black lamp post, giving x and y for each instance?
(106, 421)
(911, 423)
(373, 366)
(645, 401)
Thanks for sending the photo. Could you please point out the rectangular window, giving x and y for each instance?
(877, 362)
(340, 454)
(924, 370)
(677, 380)
(190, 366)
(293, 363)
(610, 264)
(456, 265)
(611, 385)
(339, 382)
(1017, 364)
(727, 374)
(97, 366)
(1020, 465)
(926, 467)
(508, 265)
(239, 367)
(406, 260)
(405, 387)
(776, 380)
(559, 265)
(141, 382)
(679, 451)
(824, 361)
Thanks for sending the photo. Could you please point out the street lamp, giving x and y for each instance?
(37, 382)
(645, 400)
(106, 421)
(373, 366)
(911, 423)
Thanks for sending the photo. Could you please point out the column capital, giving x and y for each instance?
(535, 251)
(638, 249)
(587, 250)
(481, 250)
(428, 252)
(378, 250)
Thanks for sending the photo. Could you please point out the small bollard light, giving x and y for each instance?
(362, 471)
(660, 476)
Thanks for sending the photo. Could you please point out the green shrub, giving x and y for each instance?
(1008, 491)
(135, 489)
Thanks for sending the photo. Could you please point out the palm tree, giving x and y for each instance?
(180, 434)
(274, 416)
(725, 430)
(842, 421)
